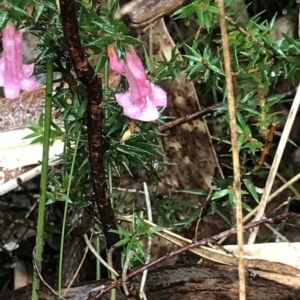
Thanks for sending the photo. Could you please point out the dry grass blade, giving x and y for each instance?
(235, 150)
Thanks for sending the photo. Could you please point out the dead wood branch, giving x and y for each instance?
(205, 281)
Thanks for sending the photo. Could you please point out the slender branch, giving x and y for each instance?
(281, 205)
(77, 271)
(92, 249)
(86, 74)
(203, 212)
(124, 272)
(191, 117)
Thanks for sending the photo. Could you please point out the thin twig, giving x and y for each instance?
(277, 159)
(243, 31)
(34, 172)
(235, 150)
(90, 246)
(124, 272)
(287, 184)
(280, 177)
(188, 118)
(78, 269)
(276, 232)
(202, 212)
(272, 196)
(36, 269)
(254, 70)
(149, 244)
(290, 199)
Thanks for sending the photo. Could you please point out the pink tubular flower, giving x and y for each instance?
(14, 75)
(143, 97)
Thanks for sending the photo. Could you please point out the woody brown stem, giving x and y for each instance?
(86, 74)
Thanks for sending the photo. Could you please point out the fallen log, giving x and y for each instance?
(189, 282)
